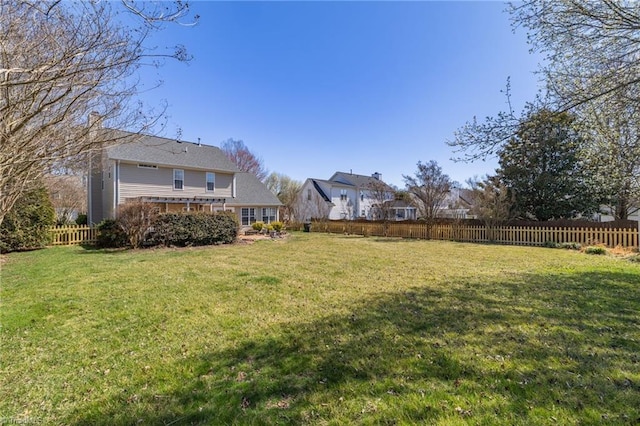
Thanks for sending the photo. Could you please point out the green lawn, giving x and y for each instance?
(320, 329)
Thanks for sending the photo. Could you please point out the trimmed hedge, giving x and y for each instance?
(26, 225)
(111, 235)
(193, 229)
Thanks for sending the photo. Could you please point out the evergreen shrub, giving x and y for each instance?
(26, 225)
(193, 229)
(111, 235)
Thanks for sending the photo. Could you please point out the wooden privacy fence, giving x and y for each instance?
(516, 235)
(72, 235)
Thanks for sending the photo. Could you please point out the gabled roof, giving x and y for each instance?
(360, 181)
(250, 191)
(169, 152)
(320, 191)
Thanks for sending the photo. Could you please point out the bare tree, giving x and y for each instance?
(68, 195)
(135, 218)
(59, 61)
(244, 159)
(381, 196)
(429, 187)
(287, 190)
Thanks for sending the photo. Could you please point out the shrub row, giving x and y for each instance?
(273, 226)
(193, 229)
(170, 229)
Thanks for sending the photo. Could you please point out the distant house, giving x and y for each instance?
(606, 215)
(344, 196)
(458, 204)
(402, 210)
(175, 176)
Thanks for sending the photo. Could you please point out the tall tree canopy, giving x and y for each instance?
(611, 125)
(591, 51)
(591, 47)
(60, 61)
(541, 166)
(244, 159)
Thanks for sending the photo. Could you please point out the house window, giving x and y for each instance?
(362, 196)
(268, 214)
(211, 181)
(248, 216)
(343, 195)
(308, 195)
(178, 179)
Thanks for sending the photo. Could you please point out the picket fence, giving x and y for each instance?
(72, 235)
(515, 235)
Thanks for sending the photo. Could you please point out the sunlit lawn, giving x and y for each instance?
(320, 329)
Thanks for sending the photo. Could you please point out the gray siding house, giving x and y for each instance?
(175, 176)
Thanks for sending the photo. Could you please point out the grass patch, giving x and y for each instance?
(321, 329)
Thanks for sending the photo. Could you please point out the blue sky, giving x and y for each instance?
(318, 87)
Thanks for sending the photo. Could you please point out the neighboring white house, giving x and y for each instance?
(458, 204)
(175, 176)
(343, 196)
(606, 216)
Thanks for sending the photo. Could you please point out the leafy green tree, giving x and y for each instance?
(542, 167)
(26, 225)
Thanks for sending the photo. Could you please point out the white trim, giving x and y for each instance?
(233, 187)
(116, 186)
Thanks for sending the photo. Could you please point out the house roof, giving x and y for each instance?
(250, 191)
(169, 152)
(361, 181)
(320, 191)
(399, 204)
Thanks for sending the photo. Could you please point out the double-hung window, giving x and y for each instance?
(211, 181)
(343, 195)
(178, 179)
(248, 216)
(268, 214)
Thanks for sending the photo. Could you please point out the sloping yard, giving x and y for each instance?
(320, 329)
